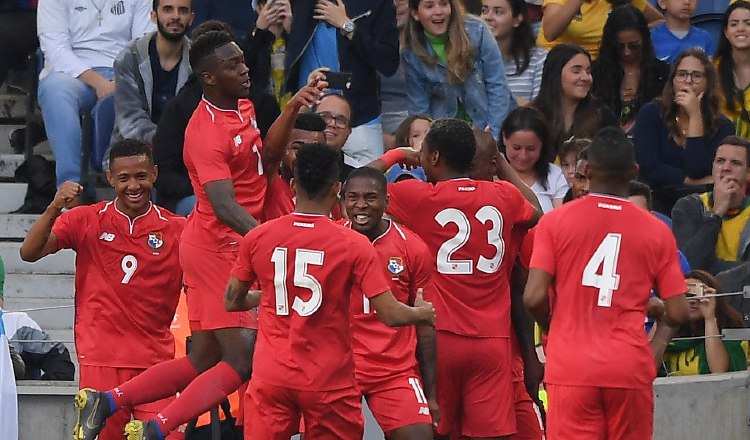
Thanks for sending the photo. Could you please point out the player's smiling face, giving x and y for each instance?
(365, 202)
(132, 177)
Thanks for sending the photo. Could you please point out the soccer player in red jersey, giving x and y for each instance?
(225, 159)
(308, 128)
(386, 359)
(128, 277)
(466, 225)
(307, 267)
(594, 253)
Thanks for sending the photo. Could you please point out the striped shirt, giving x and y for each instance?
(526, 84)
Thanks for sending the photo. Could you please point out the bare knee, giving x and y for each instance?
(418, 431)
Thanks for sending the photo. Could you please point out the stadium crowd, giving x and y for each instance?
(458, 211)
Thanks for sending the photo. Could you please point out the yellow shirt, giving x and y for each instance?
(585, 29)
(728, 243)
(741, 124)
(684, 363)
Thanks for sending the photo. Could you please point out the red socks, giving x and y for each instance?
(158, 382)
(204, 392)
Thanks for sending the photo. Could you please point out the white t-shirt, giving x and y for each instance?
(556, 185)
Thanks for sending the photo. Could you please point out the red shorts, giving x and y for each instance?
(528, 425)
(273, 413)
(475, 386)
(594, 413)
(397, 401)
(206, 276)
(106, 378)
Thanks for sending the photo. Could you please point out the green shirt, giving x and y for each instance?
(438, 44)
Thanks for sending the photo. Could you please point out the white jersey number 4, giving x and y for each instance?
(445, 262)
(302, 279)
(606, 257)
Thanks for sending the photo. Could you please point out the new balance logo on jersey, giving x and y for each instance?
(106, 236)
(237, 141)
(424, 411)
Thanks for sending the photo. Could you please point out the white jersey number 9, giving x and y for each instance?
(129, 264)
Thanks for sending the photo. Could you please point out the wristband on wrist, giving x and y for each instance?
(392, 157)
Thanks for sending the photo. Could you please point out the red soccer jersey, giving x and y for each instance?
(128, 281)
(381, 352)
(466, 225)
(279, 199)
(307, 267)
(223, 145)
(605, 255)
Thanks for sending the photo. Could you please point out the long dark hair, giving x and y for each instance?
(726, 61)
(522, 38)
(588, 113)
(608, 73)
(531, 119)
(709, 103)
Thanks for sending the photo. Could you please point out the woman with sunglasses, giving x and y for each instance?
(627, 74)
(733, 63)
(677, 134)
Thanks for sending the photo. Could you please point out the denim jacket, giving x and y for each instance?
(485, 94)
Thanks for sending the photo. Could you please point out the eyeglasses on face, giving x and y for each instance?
(338, 120)
(695, 76)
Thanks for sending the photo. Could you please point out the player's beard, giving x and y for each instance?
(170, 36)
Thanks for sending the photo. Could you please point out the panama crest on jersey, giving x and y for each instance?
(155, 240)
(395, 265)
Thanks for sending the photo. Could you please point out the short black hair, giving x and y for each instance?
(129, 148)
(738, 142)
(156, 4)
(637, 188)
(317, 169)
(612, 154)
(204, 46)
(309, 122)
(454, 140)
(369, 173)
(211, 25)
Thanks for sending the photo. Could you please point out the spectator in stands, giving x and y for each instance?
(708, 317)
(581, 22)
(522, 58)
(733, 63)
(677, 134)
(17, 34)
(394, 103)
(676, 33)
(365, 36)
(565, 97)
(80, 44)
(627, 73)
(526, 141)
(174, 190)
(568, 155)
(43, 359)
(151, 70)
(238, 14)
(265, 47)
(410, 134)
(453, 66)
(711, 228)
(336, 111)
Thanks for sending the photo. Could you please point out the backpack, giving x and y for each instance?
(39, 174)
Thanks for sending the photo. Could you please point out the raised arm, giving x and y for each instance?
(40, 241)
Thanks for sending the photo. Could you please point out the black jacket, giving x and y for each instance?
(373, 48)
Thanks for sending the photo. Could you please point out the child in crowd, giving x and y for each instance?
(409, 133)
(676, 34)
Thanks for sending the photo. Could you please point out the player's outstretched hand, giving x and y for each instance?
(425, 309)
(66, 196)
(310, 95)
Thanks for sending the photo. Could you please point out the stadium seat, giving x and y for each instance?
(708, 15)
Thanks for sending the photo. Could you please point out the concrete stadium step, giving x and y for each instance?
(55, 319)
(11, 196)
(9, 163)
(39, 286)
(62, 262)
(15, 226)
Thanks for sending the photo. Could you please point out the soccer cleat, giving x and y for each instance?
(140, 430)
(92, 411)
